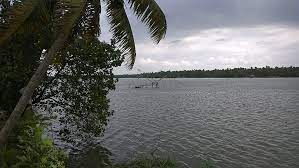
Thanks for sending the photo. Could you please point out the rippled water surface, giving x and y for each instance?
(239, 123)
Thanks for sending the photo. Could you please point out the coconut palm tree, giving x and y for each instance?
(77, 18)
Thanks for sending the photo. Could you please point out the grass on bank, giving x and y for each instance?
(158, 162)
(149, 163)
(99, 157)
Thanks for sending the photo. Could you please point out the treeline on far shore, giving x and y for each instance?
(253, 72)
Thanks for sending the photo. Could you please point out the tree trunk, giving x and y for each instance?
(34, 82)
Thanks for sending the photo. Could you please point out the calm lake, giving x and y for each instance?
(238, 123)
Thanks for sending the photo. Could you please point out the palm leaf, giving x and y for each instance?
(121, 29)
(89, 26)
(151, 14)
(39, 18)
(67, 15)
(15, 17)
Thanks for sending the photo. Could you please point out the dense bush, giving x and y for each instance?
(77, 86)
(29, 146)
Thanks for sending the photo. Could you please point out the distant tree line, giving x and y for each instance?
(267, 72)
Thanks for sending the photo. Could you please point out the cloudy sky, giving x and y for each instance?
(209, 34)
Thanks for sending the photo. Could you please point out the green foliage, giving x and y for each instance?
(18, 60)
(15, 17)
(147, 162)
(20, 57)
(99, 157)
(77, 91)
(30, 147)
(159, 162)
(67, 15)
(89, 26)
(223, 73)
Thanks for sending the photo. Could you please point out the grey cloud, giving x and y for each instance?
(239, 47)
(232, 26)
(193, 15)
(185, 17)
(175, 41)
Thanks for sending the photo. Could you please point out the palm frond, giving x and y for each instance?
(67, 15)
(121, 29)
(151, 14)
(89, 24)
(15, 17)
(39, 18)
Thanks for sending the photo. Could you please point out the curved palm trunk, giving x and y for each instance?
(29, 89)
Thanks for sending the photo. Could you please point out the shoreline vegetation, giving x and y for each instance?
(100, 157)
(253, 72)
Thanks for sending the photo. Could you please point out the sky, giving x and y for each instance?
(217, 34)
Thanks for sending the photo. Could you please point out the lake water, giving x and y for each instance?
(238, 123)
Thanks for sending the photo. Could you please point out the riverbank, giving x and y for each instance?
(264, 72)
(96, 156)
